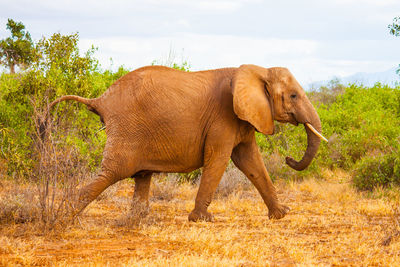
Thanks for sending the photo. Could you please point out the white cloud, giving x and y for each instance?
(308, 60)
(202, 51)
(367, 2)
(314, 39)
(209, 5)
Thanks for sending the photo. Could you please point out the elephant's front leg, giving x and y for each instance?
(215, 165)
(140, 203)
(248, 159)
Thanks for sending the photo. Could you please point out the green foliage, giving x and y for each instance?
(382, 170)
(394, 28)
(288, 140)
(57, 69)
(359, 122)
(192, 177)
(184, 66)
(64, 70)
(326, 95)
(364, 129)
(17, 50)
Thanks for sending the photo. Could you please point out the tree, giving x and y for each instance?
(17, 50)
(67, 71)
(395, 27)
(62, 52)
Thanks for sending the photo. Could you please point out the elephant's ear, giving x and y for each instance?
(250, 99)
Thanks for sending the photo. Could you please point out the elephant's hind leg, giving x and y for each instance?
(114, 167)
(91, 191)
(247, 158)
(140, 202)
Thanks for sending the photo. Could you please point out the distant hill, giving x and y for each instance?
(389, 77)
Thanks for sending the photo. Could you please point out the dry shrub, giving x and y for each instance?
(233, 181)
(135, 215)
(110, 194)
(165, 187)
(56, 174)
(277, 168)
(18, 205)
(3, 168)
(50, 195)
(327, 94)
(56, 185)
(274, 163)
(336, 156)
(395, 231)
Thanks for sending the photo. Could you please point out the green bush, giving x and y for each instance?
(191, 177)
(379, 170)
(361, 120)
(358, 121)
(288, 140)
(58, 69)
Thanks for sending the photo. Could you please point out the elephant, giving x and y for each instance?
(158, 119)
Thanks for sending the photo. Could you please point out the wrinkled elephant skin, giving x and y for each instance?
(163, 120)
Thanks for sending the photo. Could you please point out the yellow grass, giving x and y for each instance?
(329, 224)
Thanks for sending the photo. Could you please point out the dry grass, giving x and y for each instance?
(329, 224)
(17, 204)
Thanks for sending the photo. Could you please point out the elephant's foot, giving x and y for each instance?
(78, 207)
(278, 212)
(83, 200)
(75, 206)
(197, 215)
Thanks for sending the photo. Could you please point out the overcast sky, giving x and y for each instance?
(315, 39)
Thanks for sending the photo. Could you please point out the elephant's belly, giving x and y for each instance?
(177, 162)
(179, 154)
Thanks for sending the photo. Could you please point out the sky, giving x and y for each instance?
(316, 40)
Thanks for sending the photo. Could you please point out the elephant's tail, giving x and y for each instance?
(90, 103)
(83, 100)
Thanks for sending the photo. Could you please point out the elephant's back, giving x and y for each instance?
(157, 86)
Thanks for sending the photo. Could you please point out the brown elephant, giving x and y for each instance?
(163, 120)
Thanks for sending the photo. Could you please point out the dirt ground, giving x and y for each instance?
(330, 224)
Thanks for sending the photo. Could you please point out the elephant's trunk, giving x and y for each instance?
(313, 142)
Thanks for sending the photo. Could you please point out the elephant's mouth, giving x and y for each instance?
(287, 118)
(291, 119)
(295, 122)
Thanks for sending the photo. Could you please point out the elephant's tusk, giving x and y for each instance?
(316, 132)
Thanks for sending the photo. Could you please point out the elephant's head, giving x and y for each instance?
(262, 95)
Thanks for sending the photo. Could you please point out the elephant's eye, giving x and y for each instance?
(293, 96)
